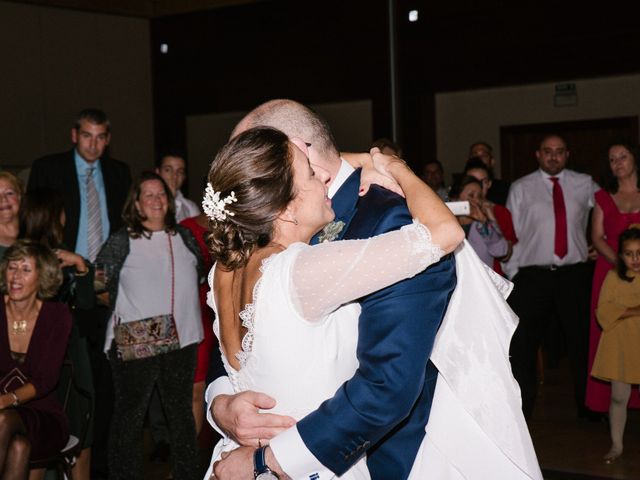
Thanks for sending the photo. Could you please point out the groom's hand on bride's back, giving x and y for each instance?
(239, 417)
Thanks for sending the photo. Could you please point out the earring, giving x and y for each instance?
(294, 221)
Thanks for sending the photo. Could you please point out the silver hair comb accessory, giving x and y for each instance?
(214, 207)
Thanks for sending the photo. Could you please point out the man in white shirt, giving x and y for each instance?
(173, 170)
(550, 209)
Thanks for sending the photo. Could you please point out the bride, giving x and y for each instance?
(276, 298)
(280, 329)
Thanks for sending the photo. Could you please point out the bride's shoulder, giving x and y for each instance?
(281, 260)
(288, 254)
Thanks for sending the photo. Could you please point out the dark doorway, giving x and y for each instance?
(587, 141)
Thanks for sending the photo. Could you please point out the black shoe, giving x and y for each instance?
(594, 417)
(160, 453)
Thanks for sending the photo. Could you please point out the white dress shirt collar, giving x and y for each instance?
(345, 171)
(559, 176)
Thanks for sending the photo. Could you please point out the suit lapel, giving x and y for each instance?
(74, 189)
(72, 205)
(109, 189)
(344, 204)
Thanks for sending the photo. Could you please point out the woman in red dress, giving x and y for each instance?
(617, 207)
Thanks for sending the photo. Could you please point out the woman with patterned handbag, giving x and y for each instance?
(33, 338)
(152, 262)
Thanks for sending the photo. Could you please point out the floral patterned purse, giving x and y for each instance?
(151, 336)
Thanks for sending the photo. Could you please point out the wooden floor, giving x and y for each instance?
(568, 448)
(162, 471)
(572, 448)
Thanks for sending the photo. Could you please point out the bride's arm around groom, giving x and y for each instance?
(383, 409)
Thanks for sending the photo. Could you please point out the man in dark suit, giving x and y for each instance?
(94, 188)
(66, 173)
(383, 409)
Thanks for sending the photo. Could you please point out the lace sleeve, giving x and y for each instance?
(328, 275)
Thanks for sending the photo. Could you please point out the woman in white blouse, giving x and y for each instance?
(154, 269)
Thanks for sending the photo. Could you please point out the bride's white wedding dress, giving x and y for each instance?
(300, 347)
(476, 428)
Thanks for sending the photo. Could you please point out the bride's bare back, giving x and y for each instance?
(233, 291)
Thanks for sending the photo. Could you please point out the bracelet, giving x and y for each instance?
(16, 400)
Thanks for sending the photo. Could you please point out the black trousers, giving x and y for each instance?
(539, 295)
(134, 381)
(93, 326)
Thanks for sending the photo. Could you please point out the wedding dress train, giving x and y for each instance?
(476, 428)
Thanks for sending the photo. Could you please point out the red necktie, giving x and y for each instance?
(560, 212)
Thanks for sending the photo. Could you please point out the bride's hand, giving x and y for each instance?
(374, 171)
(385, 165)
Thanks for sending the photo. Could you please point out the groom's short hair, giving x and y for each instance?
(295, 120)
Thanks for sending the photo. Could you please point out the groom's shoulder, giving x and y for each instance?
(382, 198)
(383, 209)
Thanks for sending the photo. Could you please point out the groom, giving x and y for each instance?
(383, 409)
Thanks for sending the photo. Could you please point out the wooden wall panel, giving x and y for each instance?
(56, 62)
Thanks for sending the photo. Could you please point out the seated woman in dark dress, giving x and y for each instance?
(33, 338)
(42, 220)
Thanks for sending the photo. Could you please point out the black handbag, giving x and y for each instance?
(12, 381)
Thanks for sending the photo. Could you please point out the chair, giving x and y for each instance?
(64, 461)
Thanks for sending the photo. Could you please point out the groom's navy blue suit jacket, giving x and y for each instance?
(383, 409)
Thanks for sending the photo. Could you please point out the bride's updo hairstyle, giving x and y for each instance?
(257, 166)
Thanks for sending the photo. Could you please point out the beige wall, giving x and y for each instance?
(351, 124)
(465, 117)
(56, 62)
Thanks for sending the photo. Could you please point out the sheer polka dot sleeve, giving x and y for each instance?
(331, 274)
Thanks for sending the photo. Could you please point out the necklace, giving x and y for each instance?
(22, 320)
(19, 327)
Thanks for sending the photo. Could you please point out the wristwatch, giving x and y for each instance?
(260, 469)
